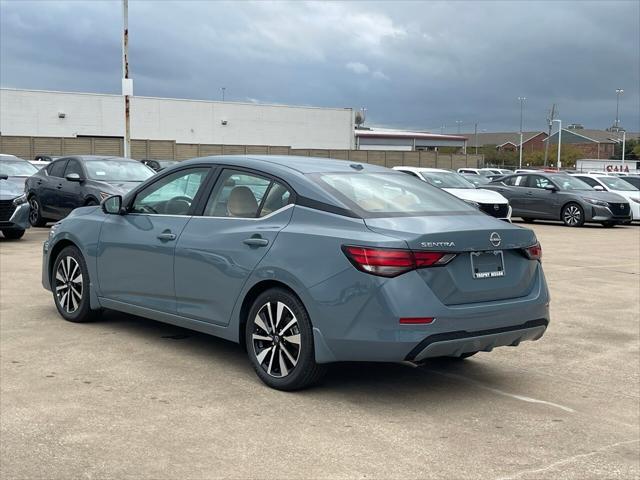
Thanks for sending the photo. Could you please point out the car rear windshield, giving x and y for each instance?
(447, 180)
(117, 171)
(17, 168)
(382, 194)
(618, 183)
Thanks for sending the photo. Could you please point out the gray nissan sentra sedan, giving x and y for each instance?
(304, 262)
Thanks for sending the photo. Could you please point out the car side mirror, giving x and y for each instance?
(550, 187)
(599, 188)
(113, 205)
(74, 177)
(4, 176)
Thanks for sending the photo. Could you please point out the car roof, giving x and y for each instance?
(292, 170)
(6, 156)
(422, 169)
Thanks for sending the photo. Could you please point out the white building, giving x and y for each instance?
(387, 139)
(59, 114)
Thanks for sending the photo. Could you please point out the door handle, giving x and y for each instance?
(59, 187)
(256, 242)
(167, 236)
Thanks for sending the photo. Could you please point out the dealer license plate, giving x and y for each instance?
(487, 264)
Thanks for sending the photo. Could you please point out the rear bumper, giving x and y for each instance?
(455, 344)
(361, 323)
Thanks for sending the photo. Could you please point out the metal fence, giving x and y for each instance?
(29, 147)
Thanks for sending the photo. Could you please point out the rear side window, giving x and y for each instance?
(56, 169)
(246, 195)
(589, 181)
(515, 181)
(389, 194)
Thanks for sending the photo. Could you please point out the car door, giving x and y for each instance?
(218, 250)
(136, 250)
(541, 202)
(50, 197)
(513, 188)
(70, 195)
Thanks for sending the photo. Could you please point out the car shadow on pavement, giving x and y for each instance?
(372, 383)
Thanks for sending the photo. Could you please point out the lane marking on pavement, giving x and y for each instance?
(478, 384)
(567, 460)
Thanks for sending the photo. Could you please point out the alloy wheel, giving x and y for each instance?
(572, 215)
(69, 284)
(276, 339)
(33, 211)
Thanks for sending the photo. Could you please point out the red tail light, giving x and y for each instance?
(534, 252)
(387, 262)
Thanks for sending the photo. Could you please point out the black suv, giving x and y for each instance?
(72, 182)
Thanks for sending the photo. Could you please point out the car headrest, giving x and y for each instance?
(241, 202)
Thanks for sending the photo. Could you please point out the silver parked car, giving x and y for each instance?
(304, 262)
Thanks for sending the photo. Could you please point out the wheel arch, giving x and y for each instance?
(55, 251)
(250, 297)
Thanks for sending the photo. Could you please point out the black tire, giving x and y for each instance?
(35, 213)
(609, 224)
(572, 215)
(272, 354)
(75, 306)
(13, 234)
(527, 219)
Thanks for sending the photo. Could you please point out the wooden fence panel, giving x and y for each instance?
(107, 146)
(47, 146)
(339, 154)
(185, 151)
(18, 146)
(257, 149)
(76, 146)
(207, 150)
(444, 161)
(301, 152)
(278, 150)
(234, 149)
(358, 156)
(411, 159)
(428, 159)
(394, 159)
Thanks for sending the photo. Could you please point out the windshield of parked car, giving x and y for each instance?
(477, 180)
(117, 170)
(618, 183)
(17, 168)
(390, 194)
(566, 182)
(447, 180)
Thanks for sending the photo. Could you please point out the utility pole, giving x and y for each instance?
(521, 99)
(475, 132)
(550, 122)
(127, 84)
(559, 164)
(624, 139)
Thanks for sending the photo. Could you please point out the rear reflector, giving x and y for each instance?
(534, 252)
(416, 320)
(388, 262)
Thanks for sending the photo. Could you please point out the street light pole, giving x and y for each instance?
(624, 139)
(458, 123)
(223, 90)
(127, 87)
(559, 141)
(475, 132)
(619, 92)
(521, 99)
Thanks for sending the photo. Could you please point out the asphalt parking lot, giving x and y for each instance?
(130, 398)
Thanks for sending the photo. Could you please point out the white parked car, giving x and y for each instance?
(619, 185)
(490, 202)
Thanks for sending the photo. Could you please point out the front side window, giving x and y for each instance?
(56, 169)
(171, 195)
(113, 170)
(389, 194)
(246, 195)
(73, 166)
(590, 181)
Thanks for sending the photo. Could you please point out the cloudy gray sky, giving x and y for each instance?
(412, 64)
